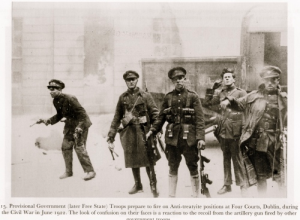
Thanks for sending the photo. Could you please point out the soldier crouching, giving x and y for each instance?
(75, 131)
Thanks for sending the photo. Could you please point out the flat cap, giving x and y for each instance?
(55, 83)
(172, 73)
(130, 74)
(270, 72)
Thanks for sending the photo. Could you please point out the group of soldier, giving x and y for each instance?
(251, 130)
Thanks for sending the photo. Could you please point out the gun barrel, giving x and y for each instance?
(33, 124)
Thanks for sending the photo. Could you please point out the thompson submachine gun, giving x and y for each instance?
(203, 176)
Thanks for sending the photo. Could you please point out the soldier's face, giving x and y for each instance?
(178, 81)
(228, 79)
(271, 83)
(54, 92)
(131, 82)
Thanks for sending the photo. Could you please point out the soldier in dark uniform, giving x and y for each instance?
(185, 133)
(229, 131)
(265, 123)
(135, 108)
(75, 131)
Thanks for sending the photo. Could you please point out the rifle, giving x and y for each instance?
(161, 143)
(283, 152)
(203, 176)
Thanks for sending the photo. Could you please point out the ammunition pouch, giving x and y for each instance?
(235, 116)
(127, 119)
(170, 117)
(185, 131)
(170, 130)
(139, 120)
(209, 94)
(266, 124)
(188, 115)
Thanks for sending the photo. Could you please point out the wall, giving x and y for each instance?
(90, 45)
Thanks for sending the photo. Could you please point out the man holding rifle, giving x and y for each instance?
(228, 132)
(185, 132)
(136, 110)
(75, 131)
(263, 136)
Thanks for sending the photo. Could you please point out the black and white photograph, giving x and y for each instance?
(150, 110)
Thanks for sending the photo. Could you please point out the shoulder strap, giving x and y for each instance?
(188, 101)
(170, 101)
(232, 92)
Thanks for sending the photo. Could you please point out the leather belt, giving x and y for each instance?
(235, 116)
(139, 120)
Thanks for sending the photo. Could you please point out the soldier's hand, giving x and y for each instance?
(201, 145)
(148, 134)
(45, 121)
(111, 146)
(78, 130)
(217, 84)
(224, 104)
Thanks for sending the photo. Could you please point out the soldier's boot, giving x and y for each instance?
(262, 187)
(172, 185)
(152, 177)
(138, 187)
(89, 175)
(195, 186)
(68, 158)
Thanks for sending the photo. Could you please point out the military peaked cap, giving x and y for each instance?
(130, 74)
(270, 72)
(172, 74)
(55, 83)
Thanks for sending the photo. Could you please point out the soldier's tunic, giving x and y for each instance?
(67, 106)
(228, 133)
(262, 128)
(183, 112)
(133, 135)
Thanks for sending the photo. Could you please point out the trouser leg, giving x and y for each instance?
(195, 186)
(67, 152)
(82, 154)
(152, 177)
(226, 162)
(238, 165)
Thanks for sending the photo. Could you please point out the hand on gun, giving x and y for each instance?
(45, 121)
(111, 146)
(78, 132)
(201, 145)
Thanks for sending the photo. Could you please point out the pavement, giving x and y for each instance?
(37, 163)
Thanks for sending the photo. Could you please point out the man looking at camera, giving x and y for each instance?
(184, 134)
(263, 136)
(136, 110)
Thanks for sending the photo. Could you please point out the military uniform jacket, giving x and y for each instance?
(126, 102)
(178, 101)
(254, 105)
(67, 106)
(229, 127)
(132, 136)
